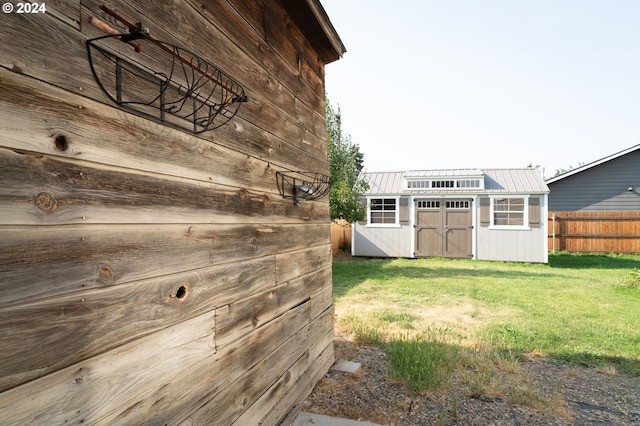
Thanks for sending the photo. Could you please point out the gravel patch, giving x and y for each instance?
(552, 394)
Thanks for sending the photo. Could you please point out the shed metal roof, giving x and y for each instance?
(507, 181)
(443, 173)
(527, 180)
(385, 182)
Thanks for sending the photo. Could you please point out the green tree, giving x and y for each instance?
(562, 171)
(345, 164)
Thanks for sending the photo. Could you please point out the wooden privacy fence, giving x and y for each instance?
(340, 236)
(594, 232)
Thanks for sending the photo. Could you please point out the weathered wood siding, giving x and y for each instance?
(149, 275)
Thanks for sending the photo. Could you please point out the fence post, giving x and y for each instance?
(553, 233)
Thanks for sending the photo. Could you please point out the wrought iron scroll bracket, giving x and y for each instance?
(160, 80)
(302, 185)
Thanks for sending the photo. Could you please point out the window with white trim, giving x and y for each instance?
(508, 211)
(471, 183)
(417, 184)
(442, 184)
(383, 211)
(458, 204)
(428, 204)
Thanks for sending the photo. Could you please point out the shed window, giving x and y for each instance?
(442, 184)
(508, 211)
(418, 184)
(383, 211)
(457, 204)
(428, 204)
(468, 184)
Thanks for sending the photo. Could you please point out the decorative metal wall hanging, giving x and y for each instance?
(301, 186)
(161, 80)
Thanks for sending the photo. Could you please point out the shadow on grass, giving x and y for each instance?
(357, 270)
(621, 364)
(512, 339)
(566, 260)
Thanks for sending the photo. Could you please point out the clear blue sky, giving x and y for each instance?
(487, 83)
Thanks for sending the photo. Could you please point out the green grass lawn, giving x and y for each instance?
(580, 308)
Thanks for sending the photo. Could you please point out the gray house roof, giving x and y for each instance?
(610, 184)
(593, 164)
(507, 181)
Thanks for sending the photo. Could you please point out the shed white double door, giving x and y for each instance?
(443, 227)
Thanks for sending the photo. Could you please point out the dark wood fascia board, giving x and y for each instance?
(312, 20)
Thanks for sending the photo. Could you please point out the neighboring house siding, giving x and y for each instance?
(600, 188)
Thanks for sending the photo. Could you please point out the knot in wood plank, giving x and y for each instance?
(45, 202)
(104, 275)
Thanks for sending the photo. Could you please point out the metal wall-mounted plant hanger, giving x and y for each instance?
(301, 186)
(161, 80)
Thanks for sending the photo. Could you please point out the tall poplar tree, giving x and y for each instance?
(345, 164)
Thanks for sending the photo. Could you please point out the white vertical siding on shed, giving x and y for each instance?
(382, 241)
(511, 245)
(517, 245)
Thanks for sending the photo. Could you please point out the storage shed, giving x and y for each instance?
(596, 207)
(157, 264)
(488, 214)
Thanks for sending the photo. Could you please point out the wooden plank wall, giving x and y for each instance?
(594, 232)
(149, 275)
